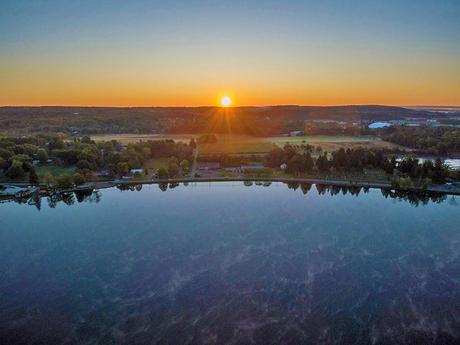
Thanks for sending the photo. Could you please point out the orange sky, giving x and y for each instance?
(60, 53)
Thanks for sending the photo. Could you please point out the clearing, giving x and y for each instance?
(245, 144)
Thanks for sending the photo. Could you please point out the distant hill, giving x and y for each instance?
(248, 120)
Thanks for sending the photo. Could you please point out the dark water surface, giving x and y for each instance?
(223, 263)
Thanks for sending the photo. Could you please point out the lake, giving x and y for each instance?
(226, 263)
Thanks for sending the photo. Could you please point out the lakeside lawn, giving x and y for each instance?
(54, 170)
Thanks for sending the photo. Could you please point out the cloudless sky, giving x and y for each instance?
(127, 53)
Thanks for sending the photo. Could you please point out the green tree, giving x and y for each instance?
(3, 164)
(64, 181)
(185, 166)
(15, 170)
(42, 155)
(276, 157)
(322, 163)
(49, 179)
(162, 173)
(25, 160)
(146, 152)
(308, 162)
(78, 179)
(86, 140)
(426, 183)
(33, 177)
(173, 169)
(296, 165)
(6, 154)
(84, 164)
(28, 149)
(122, 168)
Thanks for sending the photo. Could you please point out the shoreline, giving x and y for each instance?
(443, 189)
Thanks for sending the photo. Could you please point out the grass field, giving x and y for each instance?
(244, 144)
(156, 163)
(247, 144)
(133, 138)
(54, 170)
(231, 144)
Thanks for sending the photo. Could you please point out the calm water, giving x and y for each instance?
(225, 263)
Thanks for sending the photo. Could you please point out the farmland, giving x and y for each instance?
(245, 144)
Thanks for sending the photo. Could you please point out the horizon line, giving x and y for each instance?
(237, 106)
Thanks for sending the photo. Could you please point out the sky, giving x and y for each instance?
(190, 53)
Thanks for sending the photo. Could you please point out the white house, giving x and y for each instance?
(137, 171)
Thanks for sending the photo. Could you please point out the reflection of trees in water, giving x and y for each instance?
(414, 198)
(130, 187)
(54, 199)
(90, 195)
(66, 198)
(80, 196)
(164, 186)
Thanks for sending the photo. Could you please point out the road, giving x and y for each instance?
(193, 170)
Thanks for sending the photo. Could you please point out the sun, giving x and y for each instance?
(226, 101)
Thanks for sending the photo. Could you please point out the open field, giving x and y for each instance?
(332, 143)
(156, 163)
(233, 144)
(133, 138)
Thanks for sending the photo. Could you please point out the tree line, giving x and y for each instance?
(405, 172)
(430, 140)
(20, 155)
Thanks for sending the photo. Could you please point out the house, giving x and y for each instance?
(236, 170)
(137, 171)
(253, 167)
(208, 165)
(295, 133)
(375, 125)
(103, 173)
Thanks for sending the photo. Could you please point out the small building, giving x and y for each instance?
(208, 165)
(295, 133)
(236, 170)
(432, 122)
(253, 167)
(376, 125)
(283, 166)
(137, 171)
(103, 173)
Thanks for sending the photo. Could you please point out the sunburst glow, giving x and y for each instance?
(226, 101)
